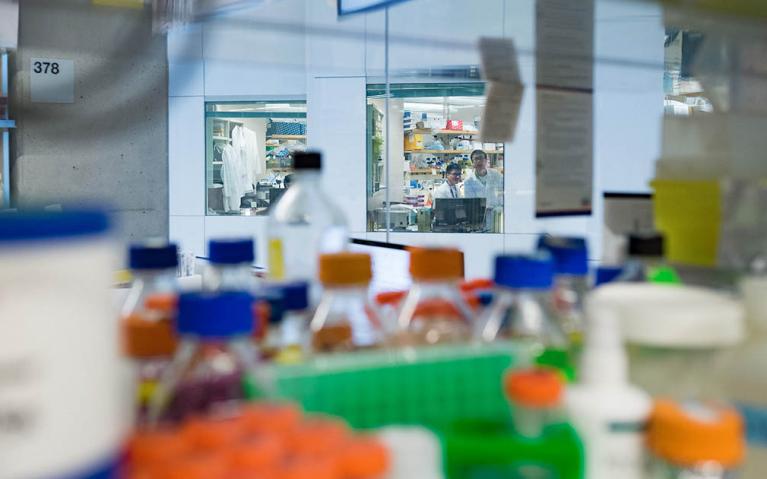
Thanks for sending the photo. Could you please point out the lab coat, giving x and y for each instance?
(492, 189)
(245, 142)
(443, 191)
(232, 174)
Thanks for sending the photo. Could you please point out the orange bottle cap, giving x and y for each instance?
(476, 284)
(236, 473)
(534, 388)
(318, 436)
(270, 418)
(147, 448)
(345, 269)
(163, 302)
(199, 466)
(437, 308)
(256, 455)
(686, 435)
(212, 433)
(363, 458)
(317, 468)
(390, 297)
(143, 473)
(148, 339)
(436, 264)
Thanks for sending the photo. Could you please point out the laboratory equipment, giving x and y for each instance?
(434, 310)
(215, 365)
(344, 319)
(694, 440)
(231, 265)
(571, 269)
(304, 223)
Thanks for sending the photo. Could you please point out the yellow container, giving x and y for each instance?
(689, 213)
(413, 141)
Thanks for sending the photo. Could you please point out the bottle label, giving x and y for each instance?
(620, 451)
(755, 419)
(276, 259)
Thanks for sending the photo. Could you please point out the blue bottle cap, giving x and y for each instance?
(606, 274)
(231, 251)
(525, 271)
(485, 298)
(571, 254)
(146, 256)
(215, 315)
(51, 225)
(295, 296)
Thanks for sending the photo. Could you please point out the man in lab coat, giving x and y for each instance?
(450, 188)
(486, 183)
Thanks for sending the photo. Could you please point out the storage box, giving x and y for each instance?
(413, 141)
(454, 125)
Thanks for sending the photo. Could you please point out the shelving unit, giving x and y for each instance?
(221, 138)
(426, 131)
(286, 137)
(451, 152)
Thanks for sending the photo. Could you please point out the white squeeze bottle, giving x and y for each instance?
(609, 413)
(304, 223)
(744, 379)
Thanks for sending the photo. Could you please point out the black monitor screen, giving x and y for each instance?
(462, 213)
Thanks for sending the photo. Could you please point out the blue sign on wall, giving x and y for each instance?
(349, 7)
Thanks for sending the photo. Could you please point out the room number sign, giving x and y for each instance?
(52, 80)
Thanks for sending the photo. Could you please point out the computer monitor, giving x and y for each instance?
(459, 215)
(275, 194)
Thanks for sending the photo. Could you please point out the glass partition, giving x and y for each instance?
(249, 151)
(442, 178)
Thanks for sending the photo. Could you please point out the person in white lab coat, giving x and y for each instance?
(484, 182)
(451, 187)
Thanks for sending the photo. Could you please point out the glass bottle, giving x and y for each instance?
(345, 320)
(694, 440)
(215, 365)
(571, 282)
(294, 326)
(434, 311)
(147, 317)
(230, 265)
(304, 223)
(536, 396)
(522, 307)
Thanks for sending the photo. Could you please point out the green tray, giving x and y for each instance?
(489, 450)
(433, 386)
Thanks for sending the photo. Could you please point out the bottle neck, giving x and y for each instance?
(307, 176)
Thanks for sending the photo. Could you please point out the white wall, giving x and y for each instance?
(340, 56)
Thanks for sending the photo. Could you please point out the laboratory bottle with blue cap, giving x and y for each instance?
(294, 336)
(522, 308)
(147, 332)
(154, 283)
(215, 367)
(571, 281)
(230, 265)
